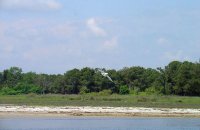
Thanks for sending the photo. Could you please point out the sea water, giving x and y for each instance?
(98, 123)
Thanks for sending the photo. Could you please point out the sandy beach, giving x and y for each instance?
(9, 110)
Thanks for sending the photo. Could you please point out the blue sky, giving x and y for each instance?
(53, 36)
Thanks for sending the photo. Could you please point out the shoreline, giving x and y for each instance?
(72, 111)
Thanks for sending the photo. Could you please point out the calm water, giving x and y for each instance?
(99, 123)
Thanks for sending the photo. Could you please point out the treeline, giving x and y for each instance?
(177, 78)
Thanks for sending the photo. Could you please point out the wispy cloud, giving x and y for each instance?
(178, 55)
(92, 24)
(30, 5)
(111, 43)
(108, 41)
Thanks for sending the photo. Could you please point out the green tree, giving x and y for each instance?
(72, 78)
(188, 79)
(44, 82)
(12, 76)
(134, 78)
(87, 78)
(171, 71)
(59, 85)
(163, 79)
(29, 78)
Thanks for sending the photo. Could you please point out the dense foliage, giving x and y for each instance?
(177, 78)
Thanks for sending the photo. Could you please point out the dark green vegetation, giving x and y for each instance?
(177, 78)
(97, 99)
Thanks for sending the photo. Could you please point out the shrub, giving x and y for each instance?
(152, 91)
(35, 89)
(84, 90)
(24, 88)
(105, 92)
(124, 90)
(133, 92)
(8, 91)
(143, 94)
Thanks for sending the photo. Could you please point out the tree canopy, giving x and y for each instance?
(177, 78)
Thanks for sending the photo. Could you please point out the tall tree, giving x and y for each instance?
(12, 76)
(171, 71)
(72, 78)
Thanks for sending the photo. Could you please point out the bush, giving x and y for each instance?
(124, 90)
(105, 92)
(9, 91)
(152, 91)
(35, 89)
(142, 94)
(24, 88)
(84, 90)
(134, 92)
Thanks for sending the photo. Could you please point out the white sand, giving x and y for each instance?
(113, 111)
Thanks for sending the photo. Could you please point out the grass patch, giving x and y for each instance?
(102, 100)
